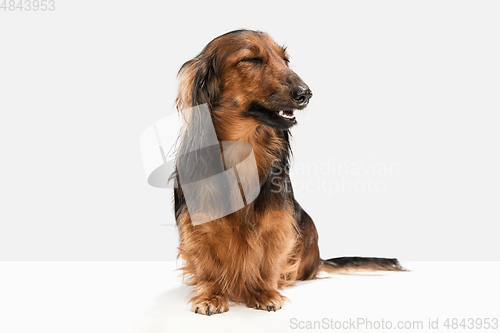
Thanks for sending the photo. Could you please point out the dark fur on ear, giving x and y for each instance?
(200, 82)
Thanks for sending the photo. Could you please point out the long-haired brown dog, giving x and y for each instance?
(244, 78)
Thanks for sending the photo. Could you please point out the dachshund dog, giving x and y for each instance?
(252, 95)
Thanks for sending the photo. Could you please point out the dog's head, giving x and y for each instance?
(244, 74)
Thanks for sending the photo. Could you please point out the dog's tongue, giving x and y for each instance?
(288, 113)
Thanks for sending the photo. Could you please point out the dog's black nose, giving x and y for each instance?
(301, 95)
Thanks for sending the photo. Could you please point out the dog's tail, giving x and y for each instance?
(352, 264)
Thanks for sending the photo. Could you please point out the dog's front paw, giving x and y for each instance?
(268, 300)
(209, 304)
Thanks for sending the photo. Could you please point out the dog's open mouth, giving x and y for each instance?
(279, 117)
(287, 114)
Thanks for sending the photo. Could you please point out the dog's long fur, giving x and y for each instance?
(248, 255)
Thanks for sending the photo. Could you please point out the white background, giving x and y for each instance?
(411, 83)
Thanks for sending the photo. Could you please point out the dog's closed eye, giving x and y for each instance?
(256, 60)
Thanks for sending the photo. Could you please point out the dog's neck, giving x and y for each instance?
(270, 146)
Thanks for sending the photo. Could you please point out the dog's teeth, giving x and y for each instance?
(285, 115)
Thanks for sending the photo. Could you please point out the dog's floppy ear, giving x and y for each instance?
(200, 82)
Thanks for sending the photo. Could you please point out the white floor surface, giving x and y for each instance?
(148, 297)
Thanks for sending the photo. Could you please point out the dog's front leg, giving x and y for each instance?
(276, 244)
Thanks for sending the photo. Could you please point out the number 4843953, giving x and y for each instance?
(28, 5)
(471, 323)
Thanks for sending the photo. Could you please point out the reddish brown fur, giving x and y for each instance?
(248, 255)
